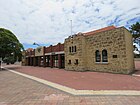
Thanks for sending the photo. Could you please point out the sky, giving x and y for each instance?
(48, 22)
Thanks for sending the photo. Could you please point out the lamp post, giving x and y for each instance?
(71, 26)
(36, 44)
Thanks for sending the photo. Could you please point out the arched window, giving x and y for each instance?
(97, 56)
(70, 49)
(104, 56)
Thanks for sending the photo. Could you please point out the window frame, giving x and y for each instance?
(97, 56)
(104, 56)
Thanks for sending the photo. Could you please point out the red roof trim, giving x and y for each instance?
(100, 30)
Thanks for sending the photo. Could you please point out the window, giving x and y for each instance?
(104, 56)
(74, 48)
(97, 56)
(114, 56)
(55, 60)
(69, 49)
(76, 61)
(69, 62)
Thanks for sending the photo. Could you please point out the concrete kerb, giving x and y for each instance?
(78, 92)
(136, 75)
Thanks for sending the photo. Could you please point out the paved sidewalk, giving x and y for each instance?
(83, 80)
(18, 90)
(137, 67)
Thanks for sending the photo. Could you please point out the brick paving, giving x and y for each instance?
(18, 90)
(137, 67)
(84, 80)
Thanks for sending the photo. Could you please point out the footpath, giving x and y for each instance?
(82, 83)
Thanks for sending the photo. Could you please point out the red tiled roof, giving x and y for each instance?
(100, 30)
(29, 49)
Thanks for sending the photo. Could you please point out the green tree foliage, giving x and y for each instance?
(135, 30)
(9, 45)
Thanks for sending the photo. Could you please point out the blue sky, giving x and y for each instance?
(47, 22)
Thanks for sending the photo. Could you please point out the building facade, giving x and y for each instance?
(109, 49)
(52, 56)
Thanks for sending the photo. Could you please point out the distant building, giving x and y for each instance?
(109, 49)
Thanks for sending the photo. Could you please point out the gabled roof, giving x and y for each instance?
(100, 30)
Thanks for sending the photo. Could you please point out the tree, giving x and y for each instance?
(9, 45)
(135, 30)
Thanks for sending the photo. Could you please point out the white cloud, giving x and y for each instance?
(48, 21)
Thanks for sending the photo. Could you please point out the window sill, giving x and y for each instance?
(101, 62)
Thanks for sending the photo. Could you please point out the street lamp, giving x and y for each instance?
(36, 44)
(71, 26)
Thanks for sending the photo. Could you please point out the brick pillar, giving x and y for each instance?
(59, 61)
(48, 61)
(51, 61)
(39, 59)
(34, 61)
(44, 57)
(31, 61)
(26, 62)
(44, 61)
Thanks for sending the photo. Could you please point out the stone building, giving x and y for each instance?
(109, 49)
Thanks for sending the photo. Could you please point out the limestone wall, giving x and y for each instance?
(79, 42)
(114, 41)
(117, 42)
(129, 51)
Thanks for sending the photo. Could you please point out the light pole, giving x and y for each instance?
(36, 44)
(71, 26)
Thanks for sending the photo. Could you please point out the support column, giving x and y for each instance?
(44, 61)
(48, 61)
(44, 57)
(34, 61)
(30, 61)
(39, 61)
(26, 62)
(59, 61)
(51, 61)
